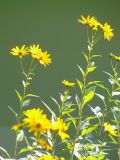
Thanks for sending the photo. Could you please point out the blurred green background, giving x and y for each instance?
(52, 24)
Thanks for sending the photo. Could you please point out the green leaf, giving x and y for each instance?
(96, 55)
(49, 109)
(91, 69)
(113, 139)
(23, 150)
(93, 82)
(89, 94)
(5, 152)
(86, 57)
(55, 102)
(80, 84)
(81, 70)
(89, 130)
(26, 102)
(13, 111)
(32, 95)
(68, 111)
(73, 120)
(18, 95)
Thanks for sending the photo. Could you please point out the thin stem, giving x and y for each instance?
(22, 98)
(80, 106)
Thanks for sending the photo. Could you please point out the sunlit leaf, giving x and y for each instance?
(91, 69)
(80, 84)
(89, 130)
(89, 94)
(32, 95)
(18, 95)
(86, 57)
(26, 102)
(23, 150)
(20, 135)
(81, 70)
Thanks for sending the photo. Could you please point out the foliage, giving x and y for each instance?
(68, 133)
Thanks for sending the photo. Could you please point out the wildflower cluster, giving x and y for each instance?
(77, 129)
(35, 51)
(96, 25)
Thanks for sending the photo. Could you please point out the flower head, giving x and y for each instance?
(44, 144)
(20, 52)
(109, 128)
(42, 57)
(36, 121)
(49, 157)
(90, 21)
(60, 127)
(107, 31)
(68, 84)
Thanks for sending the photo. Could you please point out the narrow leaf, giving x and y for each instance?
(6, 153)
(89, 130)
(91, 69)
(55, 102)
(81, 70)
(49, 109)
(26, 102)
(80, 84)
(32, 95)
(18, 95)
(86, 57)
(89, 95)
(12, 110)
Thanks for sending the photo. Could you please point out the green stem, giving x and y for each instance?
(22, 99)
(24, 89)
(80, 106)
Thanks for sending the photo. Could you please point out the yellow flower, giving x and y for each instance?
(42, 57)
(20, 52)
(46, 157)
(44, 144)
(114, 56)
(49, 157)
(91, 21)
(68, 84)
(107, 31)
(35, 51)
(17, 126)
(110, 129)
(36, 121)
(60, 127)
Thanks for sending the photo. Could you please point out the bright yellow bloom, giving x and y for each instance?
(114, 56)
(45, 59)
(42, 57)
(36, 121)
(49, 157)
(44, 144)
(110, 129)
(20, 52)
(35, 51)
(91, 21)
(60, 127)
(68, 84)
(17, 126)
(107, 31)
(46, 157)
